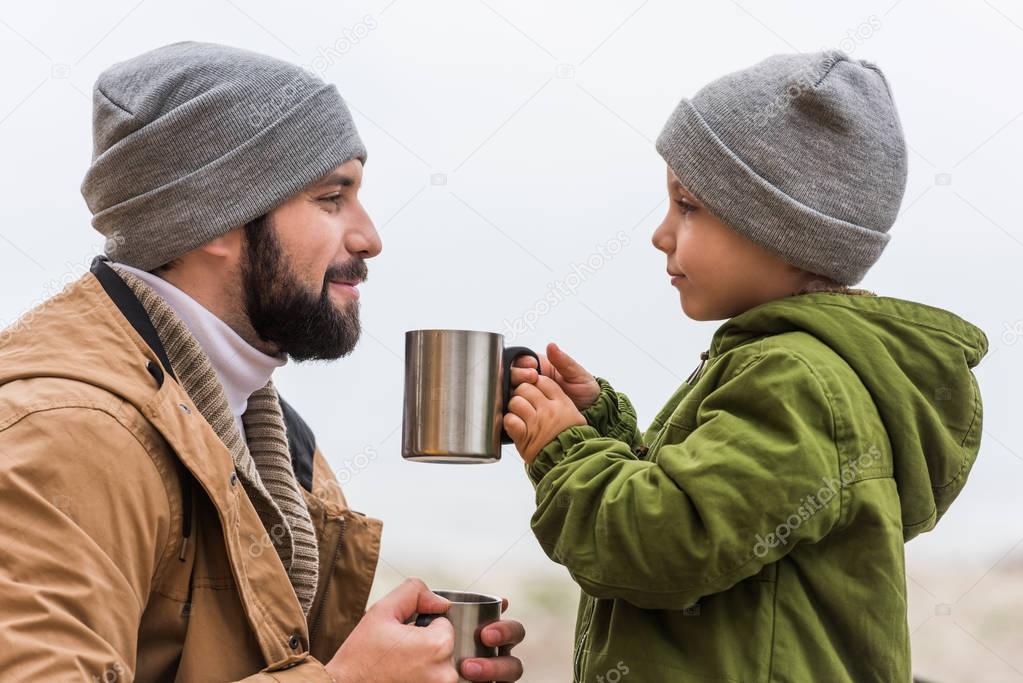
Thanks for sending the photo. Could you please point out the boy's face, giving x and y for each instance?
(718, 272)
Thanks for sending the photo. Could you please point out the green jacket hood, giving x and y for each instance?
(915, 361)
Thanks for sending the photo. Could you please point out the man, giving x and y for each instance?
(164, 515)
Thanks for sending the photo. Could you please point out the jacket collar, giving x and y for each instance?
(301, 442)
(131, 308)
(271, 604)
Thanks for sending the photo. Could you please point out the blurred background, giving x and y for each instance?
(511, 154)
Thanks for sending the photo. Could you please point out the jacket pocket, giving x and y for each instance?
(349, 551)
(725, 637)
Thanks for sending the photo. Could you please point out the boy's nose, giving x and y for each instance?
(662, 239)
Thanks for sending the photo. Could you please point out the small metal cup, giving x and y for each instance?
(469, 613)
(457, 387)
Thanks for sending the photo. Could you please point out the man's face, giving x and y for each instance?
(302, 265)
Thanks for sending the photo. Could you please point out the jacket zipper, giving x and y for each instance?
(186, 510)
(326, 588)
(588, 619)
(704, 356)
(588, 614)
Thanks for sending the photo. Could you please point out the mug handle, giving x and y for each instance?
(424, 620)
(510, 355)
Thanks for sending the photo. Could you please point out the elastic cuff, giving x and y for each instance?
(611, 414)
(556, 450)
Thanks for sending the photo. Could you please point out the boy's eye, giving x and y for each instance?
(685, 206)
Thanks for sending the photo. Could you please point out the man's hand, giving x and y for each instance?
(537, 413)
(504, 635)
(384, 649)
(577, 383)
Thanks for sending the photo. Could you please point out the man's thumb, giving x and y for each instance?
(410, 598)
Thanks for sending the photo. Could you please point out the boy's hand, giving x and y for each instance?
(538, 412)
(574, 379)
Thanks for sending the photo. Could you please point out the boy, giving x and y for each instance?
(755, 531)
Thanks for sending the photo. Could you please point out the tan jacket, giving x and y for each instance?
(128, 549)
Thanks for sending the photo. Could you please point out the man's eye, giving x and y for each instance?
(336, 198)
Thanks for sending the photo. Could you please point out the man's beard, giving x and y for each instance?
(303, 325)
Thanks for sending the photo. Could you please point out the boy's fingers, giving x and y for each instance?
(527, 362)
(515, 427)
(531, 393)
(546, 368)
(566, 365)
(547, 387)
(521, 407)
(522, 375)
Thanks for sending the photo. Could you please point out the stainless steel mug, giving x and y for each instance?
(457, 387)
(468, 613)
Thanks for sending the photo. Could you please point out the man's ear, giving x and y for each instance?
(227, 246)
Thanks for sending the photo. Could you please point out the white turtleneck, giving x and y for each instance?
(241, 368)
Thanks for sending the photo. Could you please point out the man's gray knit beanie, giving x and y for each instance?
(193, 139)
(802, 154)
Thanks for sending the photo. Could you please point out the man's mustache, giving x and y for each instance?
(353, 270)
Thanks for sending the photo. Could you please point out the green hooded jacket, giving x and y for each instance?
(754, 533)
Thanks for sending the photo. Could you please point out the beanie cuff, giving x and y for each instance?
(753, 207)
(305, 144)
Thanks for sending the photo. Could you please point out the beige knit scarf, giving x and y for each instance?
(264, 465)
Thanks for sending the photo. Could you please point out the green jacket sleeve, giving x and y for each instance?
(756, 475)
(613, 416)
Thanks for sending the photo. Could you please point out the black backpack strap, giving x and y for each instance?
(120, 293)
(133, 310)
(301, 443)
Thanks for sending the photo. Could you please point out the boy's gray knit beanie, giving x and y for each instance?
(193, 139)
(803, 154)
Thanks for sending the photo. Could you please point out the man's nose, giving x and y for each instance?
(362, 238)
